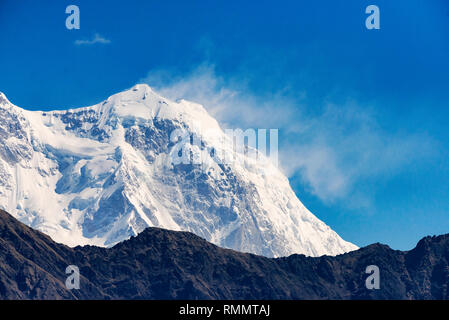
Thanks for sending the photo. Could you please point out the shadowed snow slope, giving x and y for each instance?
(98, 175)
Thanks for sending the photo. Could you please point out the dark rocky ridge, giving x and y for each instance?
(162, 264)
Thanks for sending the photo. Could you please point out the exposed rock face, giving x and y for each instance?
(162, 264)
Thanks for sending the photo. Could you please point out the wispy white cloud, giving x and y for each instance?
(332, 149)
(345, 145)
(226, 99)
(97, 38)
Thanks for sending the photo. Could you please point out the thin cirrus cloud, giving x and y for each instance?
(332, 150)
(97, 39)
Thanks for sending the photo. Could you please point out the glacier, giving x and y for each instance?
(101, 174)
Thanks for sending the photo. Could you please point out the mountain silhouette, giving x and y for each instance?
(163, 264)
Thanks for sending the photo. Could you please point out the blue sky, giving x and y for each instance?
(362, 113)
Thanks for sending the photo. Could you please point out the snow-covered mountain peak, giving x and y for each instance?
(3, 99)
(138, 93)
(100, 174)
(143, 103)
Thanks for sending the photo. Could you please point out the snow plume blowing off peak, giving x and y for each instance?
(101, 174)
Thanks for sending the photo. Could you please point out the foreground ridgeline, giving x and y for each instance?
(162, 264)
